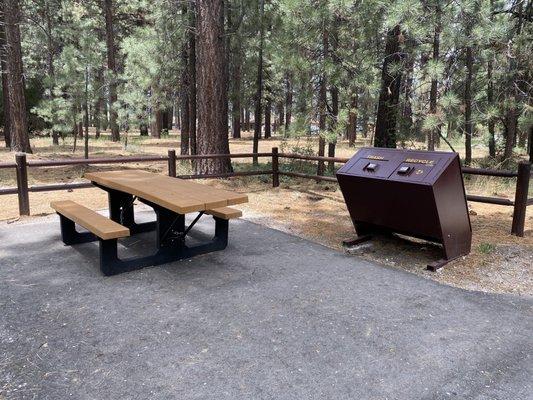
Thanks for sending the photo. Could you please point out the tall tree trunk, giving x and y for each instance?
(259, 83)
(387, 114)
(5, 103)
(86, 113)
(236, 113)
(157, 123)
(365, 115)
(406, 90)
(98, 104)
(468, 104)
(510, 129)
(104, 122)
(166, 120)
(514, 83)
(19, 134)
(490, 93)
(50, 54)
(212, 87)
(112, 68)
(334, 117)
(191, 63)
(334, 91)
(288, 101)
(5, 87)
(281, 114)
(79, 128)
(434, 131)
(247, 122)
(177, 117)
(235, 81)
(490, 101)
(322, 99)
(268, 114)
(351, 128)
(185, 89)
(143, 129)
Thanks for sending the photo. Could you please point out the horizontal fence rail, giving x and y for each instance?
(501, 201)
(94, 161)
(489, 172)
(21, 165)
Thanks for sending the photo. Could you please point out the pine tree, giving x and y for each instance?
(211, 72)
(18, 118)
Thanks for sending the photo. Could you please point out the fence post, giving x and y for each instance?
(172, 163)
(520, 200)
(22, 184)
(275, 167)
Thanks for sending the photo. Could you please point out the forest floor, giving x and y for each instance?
(499, 262)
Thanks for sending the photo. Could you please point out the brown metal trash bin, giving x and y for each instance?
(415, 193)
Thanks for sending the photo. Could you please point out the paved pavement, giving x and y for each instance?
(271, 317)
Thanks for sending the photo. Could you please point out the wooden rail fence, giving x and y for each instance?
(21, 165)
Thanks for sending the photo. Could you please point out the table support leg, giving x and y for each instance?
(169, 226)
(69, 235)
(169, 251)
(121, 210)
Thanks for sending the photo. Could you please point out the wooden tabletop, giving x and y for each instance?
(178, 195)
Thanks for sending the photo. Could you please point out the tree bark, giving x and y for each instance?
(351, 128)
(259, 84)
(86, 114)
(79, 128)
(322, 99)
(281, 114)
(191, 63)
(185, 89)
(98, 104)
(177, 112)
(406, 90)
(50, 54)
(157, 123)
(112, 68)
(434, 131)
(468, 104)
(333, 126)
(510, 129)
(268, 114)
(143, 129)
(334, 91)
(5, 86)
(104, 123)
(15, 78)
(235, 81)
(247, 122)
(212, 87)
(387, 114)
(166, 120)
(288, 101)
(490, 94)
(490, 102)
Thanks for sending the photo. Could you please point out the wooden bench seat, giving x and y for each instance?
(225, 213)
(99, 225)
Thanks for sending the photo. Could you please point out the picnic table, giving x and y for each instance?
(171, 199)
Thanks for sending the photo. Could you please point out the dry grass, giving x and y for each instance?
(499, 262)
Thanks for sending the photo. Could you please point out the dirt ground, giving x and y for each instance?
(499, 262)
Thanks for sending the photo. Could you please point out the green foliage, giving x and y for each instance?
(487, 248)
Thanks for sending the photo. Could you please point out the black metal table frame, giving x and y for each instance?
(170, 228)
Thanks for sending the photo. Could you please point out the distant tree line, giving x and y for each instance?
(393, 71)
